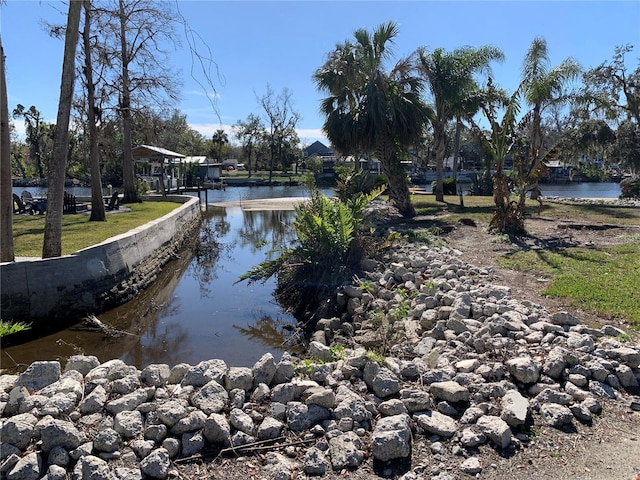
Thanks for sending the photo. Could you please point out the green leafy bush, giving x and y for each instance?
(330, 245)
(351, 183)
(630, 187)
(481, 184)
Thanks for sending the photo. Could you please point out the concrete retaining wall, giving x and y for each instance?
(98, 277)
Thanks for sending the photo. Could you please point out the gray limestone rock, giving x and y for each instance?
(381, 380)
(192, 443)
(81, 363)
(195, 420)
(301, 417)
(156, 464)
(239, 377)
(391, 438)
(107, 440)
(129, 401)
(156, 375)
(19, 430)
(471, 466)
(469, 438)
(324, 397)
(556, 415)
(391, 407)
(345, 451)
(56, 472)
(449, 391)
(128, 424)
(91, 467)
(564, 318)
(59, 433)
(436, 423)
(627, 355)
(269, 428)
(550, 395)
(94, 402)
(217, 429)
(241, 421)
(283, 393)
(602, 389)
(171, 411)
(415, 400)
(315, 462)
(524, 369)
(515, 408)
(26, 468)
(211, 398)
(264, 370)
(205, 372)
(38, 375)
(495, 429)
(555, 363)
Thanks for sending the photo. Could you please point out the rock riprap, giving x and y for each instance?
(431, 349)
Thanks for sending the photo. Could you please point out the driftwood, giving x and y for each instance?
(249, 448)
(91, 324)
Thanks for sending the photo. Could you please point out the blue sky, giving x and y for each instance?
(282, 44)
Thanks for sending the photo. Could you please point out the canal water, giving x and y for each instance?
(197, 310)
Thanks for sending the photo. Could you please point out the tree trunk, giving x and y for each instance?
(456, 149)
(6, 197)
(55, 198)
(98, 213)
(440, 140)
(396, 176)
(128, 172)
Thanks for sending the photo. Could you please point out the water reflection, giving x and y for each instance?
(195, 310)
(266, 228)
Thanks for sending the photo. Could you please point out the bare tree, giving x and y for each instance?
(282, 122)
(53, 222)
(142, 25)
(98, 213)
(6, 197)
(249, 133)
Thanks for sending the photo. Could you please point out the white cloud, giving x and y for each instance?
(208, 129)
(309, 135)
(203, 93)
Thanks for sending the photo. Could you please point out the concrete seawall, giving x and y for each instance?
(99, 277)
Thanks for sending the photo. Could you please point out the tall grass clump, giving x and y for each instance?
(332, 238)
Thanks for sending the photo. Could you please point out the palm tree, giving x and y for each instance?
(219, 139)
(369, 108)
(498, 145)
(541, 87)
(450, 80)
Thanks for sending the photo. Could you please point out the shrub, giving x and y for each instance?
(330, 245)
(630, 187)
(449, 186)
(481, 184)
(351, 183)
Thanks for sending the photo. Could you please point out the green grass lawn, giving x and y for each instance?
(78, 232)
(605, 281)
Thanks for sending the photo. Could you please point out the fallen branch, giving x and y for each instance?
(254, 447)
(92, 324)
